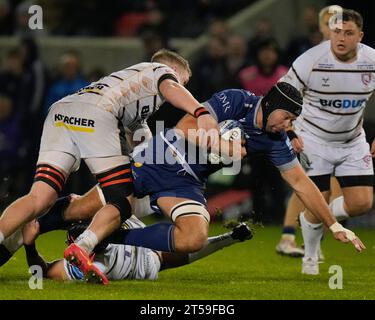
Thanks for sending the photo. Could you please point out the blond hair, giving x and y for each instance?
(165, 56)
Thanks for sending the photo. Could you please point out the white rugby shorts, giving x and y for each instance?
(75, 131)
(347, 159)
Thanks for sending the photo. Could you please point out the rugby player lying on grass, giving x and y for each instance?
(119, 262)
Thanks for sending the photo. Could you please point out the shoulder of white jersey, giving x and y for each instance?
(303, 65)
(313, 54)
(367, 51)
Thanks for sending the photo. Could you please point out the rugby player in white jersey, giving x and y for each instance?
(287, 245)
(121, 262)
(91, 125)
(336, 78)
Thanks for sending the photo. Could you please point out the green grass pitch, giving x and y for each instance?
(249, 270)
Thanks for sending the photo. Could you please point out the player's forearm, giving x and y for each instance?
(314, 201)
(317, 205)
(188, 126)
(309, 194)
(179, 97)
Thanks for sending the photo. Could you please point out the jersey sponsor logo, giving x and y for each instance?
(325, 82)
(93, 88)
(224, 100)
(368, 160)
(342, 103)
(74, 123)
(366, 78)
(326, 65)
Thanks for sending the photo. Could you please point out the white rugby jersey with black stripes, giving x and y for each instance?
(131, 94)
(120, 262)
(334, 93)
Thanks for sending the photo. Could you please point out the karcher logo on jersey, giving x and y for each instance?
(345, 103)
(74, 123)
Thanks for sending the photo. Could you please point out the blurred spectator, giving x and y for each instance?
(22, 21)
(268, 188)
(308, 37)
(6, 24)
(69, 80)
(309, 19)
(209, 73)
(9, 134)
(95, 74)
(11, 172)
(259, 78)
(219, 29)
(155, 22)
(129, 24)
(236, 60)
(34, 69)
(142, 18)
(32, 116)
(153, 42)
(299, 45)
(14, 82)
(263, 30)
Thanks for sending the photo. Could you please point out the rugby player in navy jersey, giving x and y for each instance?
(177, 189)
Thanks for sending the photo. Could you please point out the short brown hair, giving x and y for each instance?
(350, 15)
(164, 55)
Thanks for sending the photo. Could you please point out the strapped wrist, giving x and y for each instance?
(336, 227)
(200, 111)
(291, 135)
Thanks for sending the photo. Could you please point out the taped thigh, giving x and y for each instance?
(190, 208)
(50, 175)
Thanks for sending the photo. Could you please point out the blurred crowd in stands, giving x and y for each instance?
(28, 88)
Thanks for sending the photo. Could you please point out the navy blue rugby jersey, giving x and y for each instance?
(242, 105)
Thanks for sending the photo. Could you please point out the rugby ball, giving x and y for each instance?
(229, 130)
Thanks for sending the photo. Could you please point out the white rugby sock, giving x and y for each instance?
(1, 237)
(87, 241)
(337, 208)
(312, 234)
(213, 244)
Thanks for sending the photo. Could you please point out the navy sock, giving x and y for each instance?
(54, 218)
(289, 230)
(158, 236)
(5, 255)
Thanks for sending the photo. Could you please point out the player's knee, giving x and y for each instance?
(191, 232)
(198, 241)
(189, 240)
(361, 206)
(116, 185)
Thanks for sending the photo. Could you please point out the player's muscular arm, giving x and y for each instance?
(188, 122)
(314, 201)
(181, 98)
(178, 96)
(309, 194)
